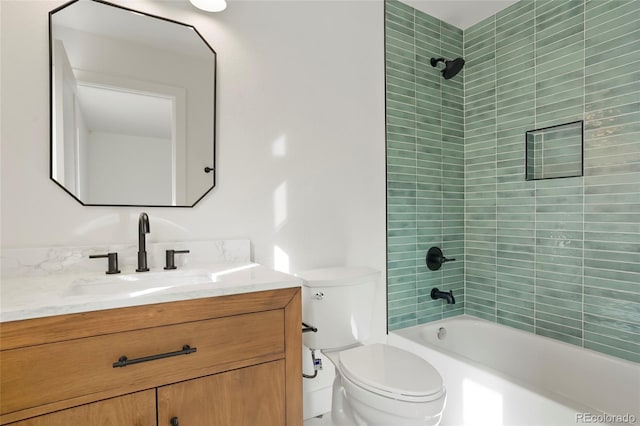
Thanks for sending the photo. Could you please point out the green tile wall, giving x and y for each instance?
(425, 169)
(557, 257)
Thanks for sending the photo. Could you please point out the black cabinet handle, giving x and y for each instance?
(123, 361)
(174, 421)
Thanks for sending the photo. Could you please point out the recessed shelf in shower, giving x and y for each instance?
(555, 151)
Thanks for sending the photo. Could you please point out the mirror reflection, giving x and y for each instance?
(132, 107)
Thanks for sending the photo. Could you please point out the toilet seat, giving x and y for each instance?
(391, 372)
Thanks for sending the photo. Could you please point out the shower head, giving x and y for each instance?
(451, 68)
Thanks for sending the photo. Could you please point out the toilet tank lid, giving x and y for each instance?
(339, 275)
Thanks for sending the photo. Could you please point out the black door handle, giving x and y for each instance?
(174, 421)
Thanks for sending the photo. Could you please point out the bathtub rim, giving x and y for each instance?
(542, 391)
(471, 318)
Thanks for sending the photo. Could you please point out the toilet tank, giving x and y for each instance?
(339, 303)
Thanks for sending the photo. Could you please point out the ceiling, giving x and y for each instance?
(461, 13)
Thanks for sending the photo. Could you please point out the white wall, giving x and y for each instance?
(300, 148)
(125, 168)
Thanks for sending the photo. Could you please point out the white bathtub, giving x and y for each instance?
(497, 375)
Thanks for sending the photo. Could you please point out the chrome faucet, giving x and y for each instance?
(143, 228)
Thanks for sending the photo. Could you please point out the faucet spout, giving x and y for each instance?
(143, 228)
(448, 296)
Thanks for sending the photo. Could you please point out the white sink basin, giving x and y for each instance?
(143, 283)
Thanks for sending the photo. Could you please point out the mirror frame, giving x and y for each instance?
(211, 170)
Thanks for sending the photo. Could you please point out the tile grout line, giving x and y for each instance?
(464, 183)
(495, 82)
(415, 143)
(441, 174)
(535, 183)
(584, 103)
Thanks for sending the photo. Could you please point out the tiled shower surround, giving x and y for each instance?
(425, 168)
(557, 257)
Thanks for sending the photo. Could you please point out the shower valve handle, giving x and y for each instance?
(435, 258)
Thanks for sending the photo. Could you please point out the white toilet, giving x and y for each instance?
(376, 384)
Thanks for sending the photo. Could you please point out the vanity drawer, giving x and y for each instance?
(45, 374)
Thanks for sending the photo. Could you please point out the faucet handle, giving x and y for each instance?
(113, 262)
(435, 258)
(171, 258)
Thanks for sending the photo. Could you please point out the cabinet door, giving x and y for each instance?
(248, 396)
(136, 409)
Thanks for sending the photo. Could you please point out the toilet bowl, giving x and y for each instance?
(375, 384)
(381, 385)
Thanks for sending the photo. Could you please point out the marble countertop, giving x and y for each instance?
(33, 297)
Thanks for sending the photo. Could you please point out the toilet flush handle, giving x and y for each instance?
(307, 328)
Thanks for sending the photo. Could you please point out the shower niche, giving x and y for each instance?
(555, 151)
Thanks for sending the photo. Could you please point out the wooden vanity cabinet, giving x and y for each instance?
(246, 368)
(221, 399)
(137, 409)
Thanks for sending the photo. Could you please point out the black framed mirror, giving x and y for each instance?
(133, 100)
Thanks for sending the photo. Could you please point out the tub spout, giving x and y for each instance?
(448, 296)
